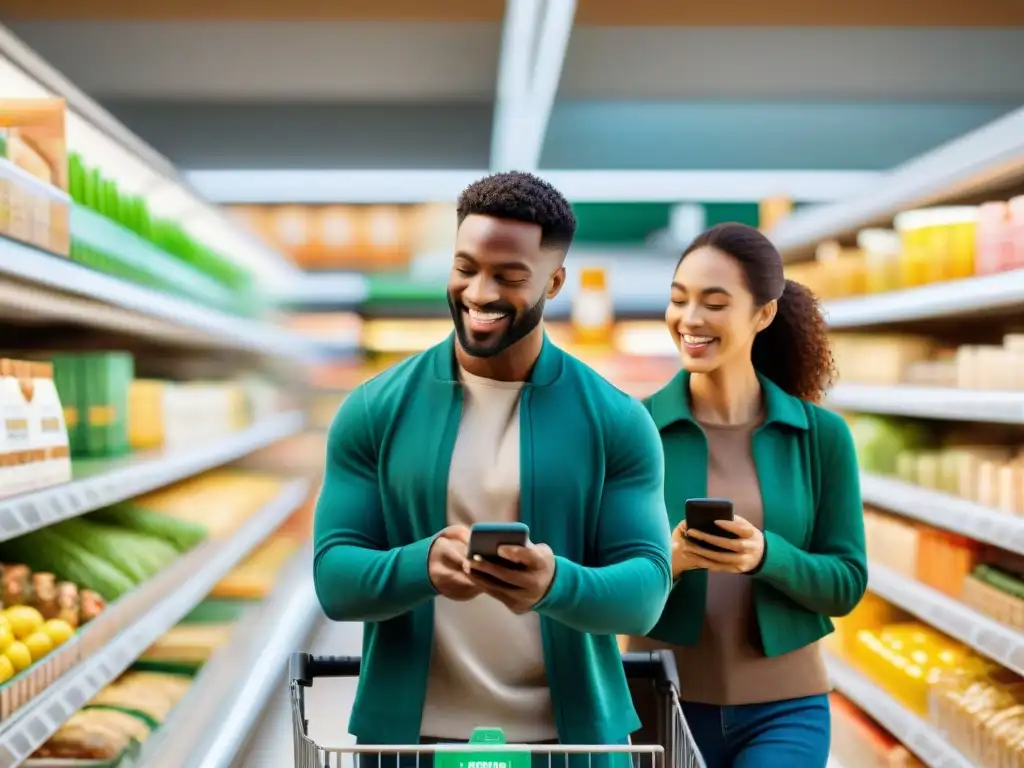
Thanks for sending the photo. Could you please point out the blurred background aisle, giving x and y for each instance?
(216, 219)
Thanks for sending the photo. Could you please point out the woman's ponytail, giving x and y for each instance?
(794, 351)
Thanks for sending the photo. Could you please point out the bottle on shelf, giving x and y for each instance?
(592, 314)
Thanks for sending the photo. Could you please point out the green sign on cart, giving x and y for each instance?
(513, 758)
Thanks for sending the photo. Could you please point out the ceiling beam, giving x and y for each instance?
(535, 36)
(410, 187)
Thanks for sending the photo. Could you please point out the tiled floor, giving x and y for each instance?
(328, 704)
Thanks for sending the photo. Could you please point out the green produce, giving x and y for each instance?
(46, 550)
(136, 555)
(880, 441)
(89, 189)
(1001, 580)
(181, 534)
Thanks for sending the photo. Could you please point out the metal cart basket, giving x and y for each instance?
(675, 748)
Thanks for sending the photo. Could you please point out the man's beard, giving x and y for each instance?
(520, 326)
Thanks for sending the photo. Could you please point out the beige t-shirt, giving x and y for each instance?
(487, 666)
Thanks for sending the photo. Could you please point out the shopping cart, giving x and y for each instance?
(675, 747)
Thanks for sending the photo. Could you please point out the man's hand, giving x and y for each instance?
(446, 565)
(522, 589)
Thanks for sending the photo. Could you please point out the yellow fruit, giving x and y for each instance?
(38, 645)
(6, 669)
(24, 619)
(4, 621)
(19, 655)
(6, 637)
(58, 630)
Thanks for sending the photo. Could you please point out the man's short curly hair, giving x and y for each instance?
(520, 196)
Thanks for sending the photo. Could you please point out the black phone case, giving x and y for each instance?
(704, 516)
(496, 540)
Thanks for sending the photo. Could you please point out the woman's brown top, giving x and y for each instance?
(728, 665)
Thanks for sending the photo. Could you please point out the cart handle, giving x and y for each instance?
(657, 666)
(304, 668)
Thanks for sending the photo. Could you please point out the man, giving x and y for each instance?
(496, 424)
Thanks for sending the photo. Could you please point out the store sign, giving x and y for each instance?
(514, 757)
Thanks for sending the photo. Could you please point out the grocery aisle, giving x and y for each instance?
(922, 305)
(328, 704)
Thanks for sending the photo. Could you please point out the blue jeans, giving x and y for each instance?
(794, 733)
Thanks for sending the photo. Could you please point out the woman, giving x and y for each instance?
(741, 422)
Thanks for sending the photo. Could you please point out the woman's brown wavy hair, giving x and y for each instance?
(793, 351)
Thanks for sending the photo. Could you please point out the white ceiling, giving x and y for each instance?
(424, 62)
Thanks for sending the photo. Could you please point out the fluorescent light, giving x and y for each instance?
(515, 71)
(552, 43)
(339, 186)
(535, 36)
(105, 144)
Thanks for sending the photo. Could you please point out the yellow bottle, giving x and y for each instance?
(593, 317)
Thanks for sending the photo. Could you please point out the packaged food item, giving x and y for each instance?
(996, 593)
(34, 204)
(844, 270)
(995, 250)
(255, 577)
(14, 413)
(53, 433)
(149, 693)
(1015, 231)
(146, 414)
(981, 713)
(94, 390)
(95, 734)
(592, 314)
(937, 243)
(857, 740)
(881, 248)
(914, 228)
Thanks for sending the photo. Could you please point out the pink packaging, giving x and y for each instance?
(1016, 232)
(994, 250)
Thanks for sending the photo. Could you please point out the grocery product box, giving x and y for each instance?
(34, 201)
(367, 238)
(94, 389)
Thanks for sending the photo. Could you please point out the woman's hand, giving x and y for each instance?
(744, 553)
(685, 554)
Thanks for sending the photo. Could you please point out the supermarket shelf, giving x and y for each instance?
(967, 518)
(992, 406)
(160, 604)
(210, 726)
(985, 159)
(59, 274)
(915, 733)
(334, 290)
(990, 638)
(93, 131)
(989, 293)
(110, 482)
